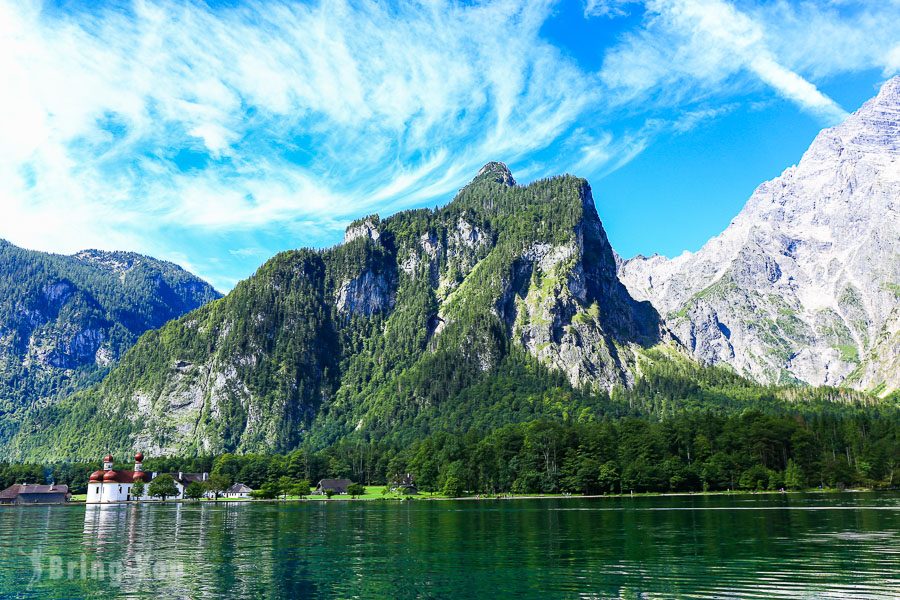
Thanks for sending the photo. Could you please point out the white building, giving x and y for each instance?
(108, 485)
(182, 480)
(238, 490)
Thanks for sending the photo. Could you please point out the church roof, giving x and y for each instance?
(186, 478)
(124, 476)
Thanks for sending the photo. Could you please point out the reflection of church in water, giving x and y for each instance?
(117, 547)
(156, 546)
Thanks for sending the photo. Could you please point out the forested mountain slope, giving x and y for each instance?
(500, 307)
(64, 320)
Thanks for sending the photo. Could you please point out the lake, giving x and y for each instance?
(740, 546)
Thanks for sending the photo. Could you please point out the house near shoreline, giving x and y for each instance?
(112, 485)
(182, 480)
(238, 490)
(28, 493)
(404, 484)
(338, 486)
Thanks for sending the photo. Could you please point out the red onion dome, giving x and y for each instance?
(97, 476)
(108, 458)
(110, 476)
(138, 475)
(139, 457)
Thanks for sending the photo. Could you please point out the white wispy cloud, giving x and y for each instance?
(605, 153)
(98, 103)
(693, 49)
(821, 39)
(608, 8)
(892, 61)
(153, 124)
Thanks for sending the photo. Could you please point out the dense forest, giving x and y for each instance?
(700, 450)
(487, 343)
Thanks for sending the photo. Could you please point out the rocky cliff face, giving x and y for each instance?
(575, 315)
(391, 330)
(65, 319)
(805, 282)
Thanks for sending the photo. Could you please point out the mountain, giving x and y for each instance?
(804, 284)
(64, 320)
(502, 306)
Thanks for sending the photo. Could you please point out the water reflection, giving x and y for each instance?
(840, 546)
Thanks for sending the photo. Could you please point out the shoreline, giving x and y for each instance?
(477, 498)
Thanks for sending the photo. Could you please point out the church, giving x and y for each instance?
(108, 485)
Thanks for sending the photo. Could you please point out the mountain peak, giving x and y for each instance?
(497, 172)
(365, 227)
(887, 102)
(801, 285)
(871, 133)
(890, 91)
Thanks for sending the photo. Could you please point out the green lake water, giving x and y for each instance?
(754, 546)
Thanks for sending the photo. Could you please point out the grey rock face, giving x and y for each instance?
(496, 171)
(366, 228)
(367, 294)
(576, 316)
(804, 283)
(557, 324)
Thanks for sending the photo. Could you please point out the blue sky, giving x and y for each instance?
(217, 134)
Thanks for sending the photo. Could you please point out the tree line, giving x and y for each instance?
(698, 451)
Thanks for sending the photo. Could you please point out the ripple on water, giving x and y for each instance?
(759, 547)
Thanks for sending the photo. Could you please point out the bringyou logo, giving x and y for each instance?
(113, 572)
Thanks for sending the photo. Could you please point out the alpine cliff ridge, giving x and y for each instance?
(400, 327)
(804, 284)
